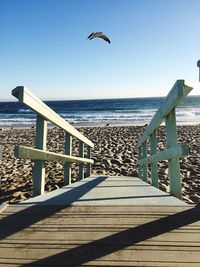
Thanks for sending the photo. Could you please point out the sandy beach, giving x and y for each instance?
(114, 153)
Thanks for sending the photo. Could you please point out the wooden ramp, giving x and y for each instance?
(107, 190)
(52, 234)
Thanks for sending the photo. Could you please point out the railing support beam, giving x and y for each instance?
(88, 171)
(145, 165)
(81, 155)
(174, 165)
(139, 165)
(39, 165)
(0, 158)
(154, 165)
(67, 166)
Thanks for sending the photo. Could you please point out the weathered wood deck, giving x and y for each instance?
(101, 221)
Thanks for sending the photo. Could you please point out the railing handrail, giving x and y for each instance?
(173, 150)
(175, 96)
(24, 152)
(39, 154)
(31, 101)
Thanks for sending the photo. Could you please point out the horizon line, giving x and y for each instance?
(85, 99)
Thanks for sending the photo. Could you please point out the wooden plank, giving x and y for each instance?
(91, 222)
(174, 165)
(32, 153)
(147, 244)
(22, 262)
(101, 209)
(138, 254)
(39, 165)
(148, 236)
(175, 96)
(104, 220)
(26, 97)
(67, 166)
(81, 235)
(179, 150)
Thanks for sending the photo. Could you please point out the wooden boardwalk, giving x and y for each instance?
(102, 221)
(76, 226)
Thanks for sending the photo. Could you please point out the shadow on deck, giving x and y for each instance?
(104, 235)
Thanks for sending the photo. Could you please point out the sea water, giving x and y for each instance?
(98, 112)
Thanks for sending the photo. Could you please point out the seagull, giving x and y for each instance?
(99, 35)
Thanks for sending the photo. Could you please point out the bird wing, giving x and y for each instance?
(105, 38)
(90, 35)
(94, 35)
(99, 35)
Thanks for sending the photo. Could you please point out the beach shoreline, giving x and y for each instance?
(114, 153)
(91, 125)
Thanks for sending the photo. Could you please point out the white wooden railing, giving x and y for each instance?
(198, 65)
(174, 151)
(39, 154)
(0, 158)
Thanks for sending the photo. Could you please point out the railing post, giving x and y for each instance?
(0, 152)
(174, 165)
(39, 165)
(67, 166)
(154, 165)
(145, 165)
(140, 166)
(88, 172)
(81, 155)
(198, 65)
(0, 158)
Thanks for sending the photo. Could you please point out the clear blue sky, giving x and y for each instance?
(43, 46)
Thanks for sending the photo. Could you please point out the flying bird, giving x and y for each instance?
(99, 35)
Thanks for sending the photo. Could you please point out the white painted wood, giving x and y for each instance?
(154, 165)
(175, 96)
(81, 155)
(174, 165)
(26, 97)
(1, 148)
(139, 165)
(198, 65)
(3, 207)
(0, 158)
(180, 150)
(67, 166)
(88, 171)
(144, 165)
(39, 165)
(32, 153)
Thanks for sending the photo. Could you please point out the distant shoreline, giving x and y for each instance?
(87, 113)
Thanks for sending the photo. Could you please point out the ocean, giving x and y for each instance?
(98, 112)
